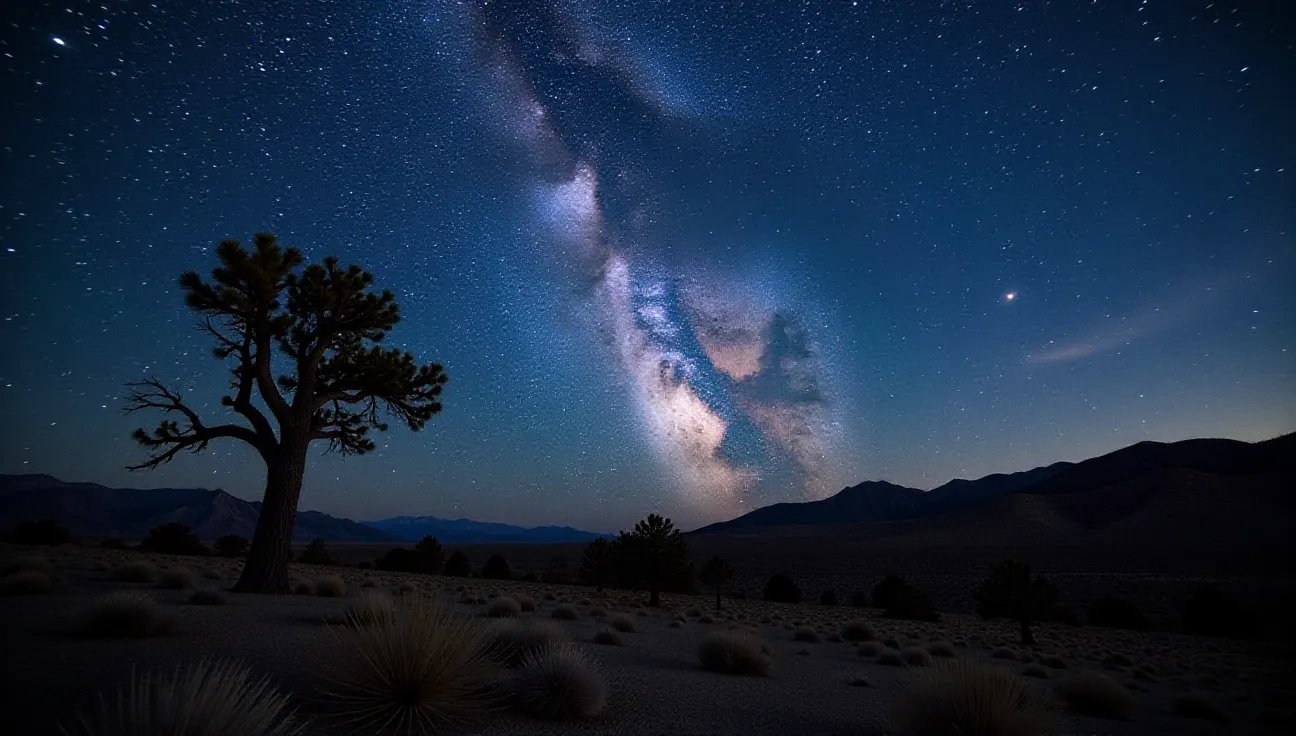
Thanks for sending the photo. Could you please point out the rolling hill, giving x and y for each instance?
(412, 528)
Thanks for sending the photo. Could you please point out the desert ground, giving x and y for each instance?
(818, 683)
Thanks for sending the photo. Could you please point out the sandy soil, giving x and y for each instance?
(655, 683)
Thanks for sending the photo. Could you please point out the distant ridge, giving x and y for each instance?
(89, 509)
(411, 528)
(879, 501)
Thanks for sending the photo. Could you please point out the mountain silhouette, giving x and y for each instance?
(411, 528)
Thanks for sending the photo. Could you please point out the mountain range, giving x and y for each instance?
(1094, 493)
(413, 528)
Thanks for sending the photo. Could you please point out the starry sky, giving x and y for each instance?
(684, 257)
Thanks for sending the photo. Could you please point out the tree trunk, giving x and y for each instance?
(1027, 637)
(654, 597)
(266, 569)
(718, 607)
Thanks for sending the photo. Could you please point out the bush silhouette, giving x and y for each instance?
(497, 568)
(39, 531)
(828, 598)
(429, 555)
(1009, 591)
(316, 553)
(860, 599)
(655, 556)
(1212, 612)
(884, 590)
(1117, 613)
(458, 565)
(173, 538)
(598, 564)
(715, 573)
(911, 604)
(232, 545)
(781, 589)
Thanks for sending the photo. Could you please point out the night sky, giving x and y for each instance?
(686, 257)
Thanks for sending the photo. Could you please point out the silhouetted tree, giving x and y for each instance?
(497, 568)
(458, 565)
(886, 588)
(1212, 612)
(39, 531)
(1009, 591)
(231, 545)
(828, 598)
(653, 554)
(714, 574)
(781, 589)
(316, 553)
(173, 538)
(430, 555)
(324, 322)
(598, 564)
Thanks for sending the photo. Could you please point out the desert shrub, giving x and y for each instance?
(942, 649)
(525, 601)
(1118, 613)
(429, 555)
(370, 609)
(781, 589)
(211, 573)
(114, 543)
(916, 657)
(860, 599)
(858, 630)
(173, 538)
(890, 657)
(316, 553)
(124, 614)
(871, 648)
(959, 698)
(28, 564)
(304, 587)
(706, 619)
(38, 532)
(886, 588)
(1009, 591)
(177, 578)
(1198, 705)
(734, 653)
(828, 598)
(509, 642)
(623, 623)
(1004, 653)
(497, 568)
(607, 636)
(207, 598)
(806, 634)
(406, 587)
(412, 672)
(27, 582)
(330, 586)
(1094, 694)
(598, 612)
(205, 698)
(565, 612)
(458, 565)
(135, 571)
(560, 683)
(598, 564)
(232, 545)
(504, 607)
(1212, 612)
(911, 604)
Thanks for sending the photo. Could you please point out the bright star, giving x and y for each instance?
(1010, 296)
(59, 41)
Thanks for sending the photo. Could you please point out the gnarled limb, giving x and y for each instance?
(194, 436)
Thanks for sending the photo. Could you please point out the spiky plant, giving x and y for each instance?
(959, 698)
(734, 653)
(559, 682)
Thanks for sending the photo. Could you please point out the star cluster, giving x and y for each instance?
(683, 257)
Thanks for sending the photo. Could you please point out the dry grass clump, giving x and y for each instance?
(942, 649)
(125, 614)
(410, 672)
(598, 612)
(405, 587)
(28, 564)
(623, 623)
(510, 642)
(959, 698)
(890, 657)
(870, 648)
(503, 607)
(560, 683)
(806, 634)
(734, 653)
(1095, 694)
(1004, 653)
(207, 598)
(859, 630)
(204, 699)
(565, 612)
(27, 582)
(1198, 705)
(705, 619)
(177, 578)
(212, 573)
(916, 657)
(694, 611)
(330, 586)
(526, 602)
(370, 609)
(1035, 670)
(304, 587)
(607, 636)
(135, 571)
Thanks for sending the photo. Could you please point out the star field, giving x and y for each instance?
(680, 257)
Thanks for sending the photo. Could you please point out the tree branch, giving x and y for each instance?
(152, 394)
